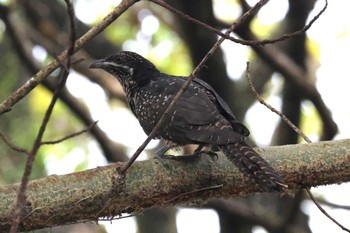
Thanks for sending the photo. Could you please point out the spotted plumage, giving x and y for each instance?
(200, 116)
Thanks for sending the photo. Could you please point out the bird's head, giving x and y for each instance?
(130, 68)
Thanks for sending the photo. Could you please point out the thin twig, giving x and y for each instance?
(262, 101)
(300, 133)
(165, 115)
(35, 80)
(333, 205)
(293, 73)
(194, 191)
(325, 212)
(237, 40)
(21, 197)
(299, 32)
(113, 151)
(13, 146)
(70, 136)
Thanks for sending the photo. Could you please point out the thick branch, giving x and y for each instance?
(100, 192)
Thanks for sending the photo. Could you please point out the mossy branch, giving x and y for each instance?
(101, 193)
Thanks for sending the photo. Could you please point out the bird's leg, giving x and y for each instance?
(161, 151)
(198, 151)
(159, 155)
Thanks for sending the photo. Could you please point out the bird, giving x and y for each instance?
(200, 116)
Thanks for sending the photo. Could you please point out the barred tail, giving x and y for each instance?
(251, 164)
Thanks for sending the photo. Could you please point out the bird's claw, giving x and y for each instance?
(212, 154)
(209, 152)
(161, 159)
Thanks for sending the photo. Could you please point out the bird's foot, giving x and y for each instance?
(214, 156)
(207, 151)
(177, 157)
(161, 156)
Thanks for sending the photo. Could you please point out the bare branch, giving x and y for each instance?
(333, 205)
(21, 92)
(112, 150)
(194, 191)
(13, 146)
(58, 200)
(293, 73)
(71, 135)
(325, 212)
(300, 133)
(263, 102)
(237, 40)
(21, 197)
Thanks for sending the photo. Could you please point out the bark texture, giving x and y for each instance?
(102, 193)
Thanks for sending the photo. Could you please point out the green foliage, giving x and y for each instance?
(311, 123)
(165, 38)
(8, 75)
(164, 47)
(121, 30)
(17, 125)
(61, 124)
(22, 124)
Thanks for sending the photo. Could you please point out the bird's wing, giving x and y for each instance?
(201, 116)
(224, 108)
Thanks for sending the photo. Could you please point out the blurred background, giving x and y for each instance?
(33, 32)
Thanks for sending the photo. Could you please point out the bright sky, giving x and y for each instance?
(330, 32)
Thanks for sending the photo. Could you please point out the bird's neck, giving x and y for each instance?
(133, 85)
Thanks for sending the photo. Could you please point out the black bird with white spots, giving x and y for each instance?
(199, 117)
